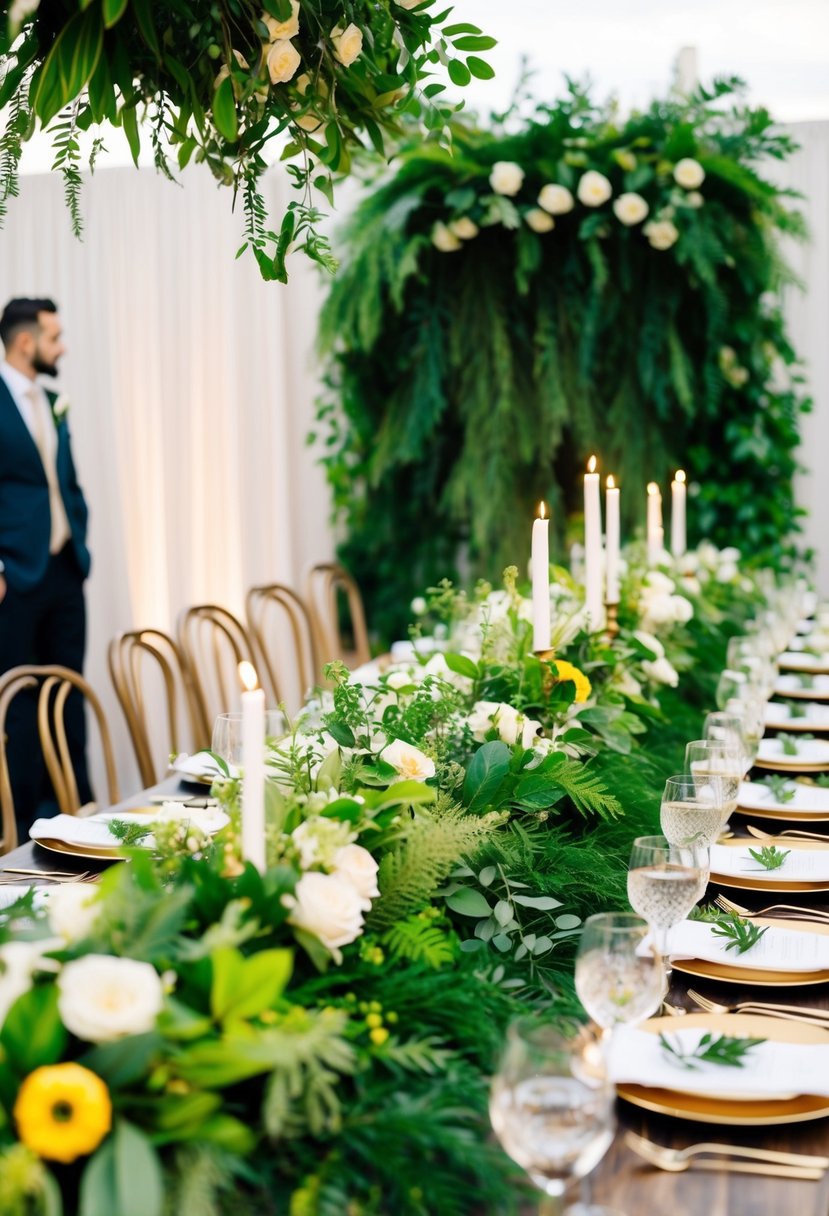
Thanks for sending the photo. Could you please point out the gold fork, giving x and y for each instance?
(792, 911)
(748, 1160)
(793, 1013)
(789, 834)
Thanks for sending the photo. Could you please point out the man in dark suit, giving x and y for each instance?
(43, 555)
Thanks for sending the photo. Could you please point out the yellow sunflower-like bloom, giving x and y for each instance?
(566, 671)
(63, 1111)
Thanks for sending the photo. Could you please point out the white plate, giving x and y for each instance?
(810, 752)
(816, 687)
(754, 796)
(796, 661)
(779, 716)
(201, 768)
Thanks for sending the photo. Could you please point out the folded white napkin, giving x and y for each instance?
(72, 830)
(200, 765)
(806, 798)
(11, 892)
(801, 865)
(809, 751)
(818, 686)
(209, 818)
(95, 832)
(636, 1057)
(777, 949)
(796, 659)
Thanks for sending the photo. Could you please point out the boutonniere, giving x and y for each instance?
(61, 407)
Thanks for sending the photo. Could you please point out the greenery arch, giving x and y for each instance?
(480, 347)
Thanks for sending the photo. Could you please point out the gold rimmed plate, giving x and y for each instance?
(810, 803)
(791, 764)
(732, 973)
(87, 851)
(719, 1108)
(772, 885)
(803, 664)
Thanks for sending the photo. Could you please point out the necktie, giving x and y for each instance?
(41, 420)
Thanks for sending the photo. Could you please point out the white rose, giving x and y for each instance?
(689, 173)
(650, 643)
(661, 672)
(625, 683)
(443, 239)
(556, 199)
(539, 220)
(283, 61)
(102, 998)
(61, 407)
(506, 719)
(408, 3)
(73, 910)
(308, 122)
(661, 234)
(356, 865)
(694, 199)
(329, 907)
(437, 666)
(727, 573)
(409, 762)
(348, 44)
(463, 227)
(683, 609)
(630, 208)
(656, 581)
(283, 29)
(730, 554)
(418, 605)
(658, 609)
(506, 177)
(594, 189)
(18, 963)
(399, 679)
(224, 72)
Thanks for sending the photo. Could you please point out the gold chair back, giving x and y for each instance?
(148, 669)
(56, 683)
(214, 642)
(283, 633)
(329, 587)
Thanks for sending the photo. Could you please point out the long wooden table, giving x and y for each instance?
(623, 1180)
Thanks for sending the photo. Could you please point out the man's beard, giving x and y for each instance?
(43, 368)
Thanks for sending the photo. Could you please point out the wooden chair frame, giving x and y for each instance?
(224, 625)
(323, 583)
(277, 595)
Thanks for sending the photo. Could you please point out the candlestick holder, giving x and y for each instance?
(612, 620)
(545, 656)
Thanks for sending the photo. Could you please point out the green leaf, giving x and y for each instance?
(340, 732)
(468, 903)
(462, 666)
(129, 121)
(244, 987)
(474, 42)
(124, 1176)
(224, 111)
(543, 903)
(146, 23)
(480, 67)
(114, 11)
(459, 73)
(33, 1033)
(125, 1061)
(69, 64)
(488, 768)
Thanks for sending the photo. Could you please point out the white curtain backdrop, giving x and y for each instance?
(193, 385)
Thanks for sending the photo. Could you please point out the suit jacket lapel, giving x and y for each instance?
(19, 434)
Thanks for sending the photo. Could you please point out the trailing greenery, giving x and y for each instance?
(480, 347)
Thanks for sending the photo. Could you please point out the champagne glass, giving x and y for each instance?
(727, 727)
(227, 734)
(692, 809)
(551, 1106)
(617, 980)
(664, 883)
(717, 758)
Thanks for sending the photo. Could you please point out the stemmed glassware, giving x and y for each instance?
(730, 728)
(665, 881)
(692, 809)
(617, 980)
(227, 734)
(717, 758)
(551, 1106)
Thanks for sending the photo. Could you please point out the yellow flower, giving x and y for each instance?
(566, 671)
(63, 1112)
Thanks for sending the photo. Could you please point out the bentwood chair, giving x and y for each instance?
(149, 673)
(56, 683)
(334, 597)
(214, 642)
(283, 633)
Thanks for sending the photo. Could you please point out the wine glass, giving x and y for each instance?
(692, 809)
(719, 759)
(617, 980)
(551, 1106)
(665, 881)
(736, 685)
(727, 727)
(227, 734)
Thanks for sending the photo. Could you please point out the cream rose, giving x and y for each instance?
(556, 199)
(409, 762)
(507, 720)
(283, 60)
(650, 643)
(348, 44)
(594, 189)
(506, 177)
(630, 208)
(689, 173)
(102, 998)
(224, 70)
(18, 963)
(408, 3)
(463, 227)
(661, 672)
(329, 907)
(539, 220)
(443, 239)
(73, 910)
(694, 199)
(355, 865)
(661, 233)
(283, 29)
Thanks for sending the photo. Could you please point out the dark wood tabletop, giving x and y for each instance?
(623, 1181)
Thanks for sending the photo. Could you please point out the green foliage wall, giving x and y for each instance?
(479, 348)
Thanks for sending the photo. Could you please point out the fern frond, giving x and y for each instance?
(420, 941)
(589, 793)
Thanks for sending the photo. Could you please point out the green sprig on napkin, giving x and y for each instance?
(770, 857)
(711, 1049)
(742, 934)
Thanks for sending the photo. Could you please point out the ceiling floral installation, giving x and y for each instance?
(218, 82)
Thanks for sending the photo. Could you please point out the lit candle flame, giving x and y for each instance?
(247, 674)
(679, 475)
(610, 483)
(542, 510)
(591, 465)
(653, 488)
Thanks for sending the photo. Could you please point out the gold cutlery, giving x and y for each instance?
(794, 1013)
(50, 875)
(730, 1157)
(789, 834)
(792, 911)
